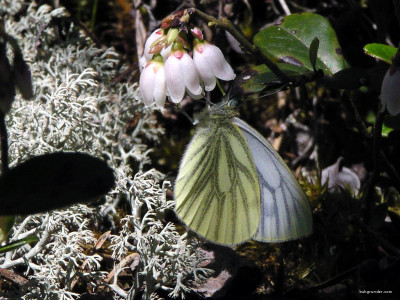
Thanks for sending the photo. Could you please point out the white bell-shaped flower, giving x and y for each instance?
(181, 75)
(152, 83)
(211, 64)
(390, 91)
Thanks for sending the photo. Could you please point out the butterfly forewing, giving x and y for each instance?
(217, 192)
(285, 209)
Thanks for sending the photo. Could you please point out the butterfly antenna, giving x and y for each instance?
(273, 91)
(191, 120)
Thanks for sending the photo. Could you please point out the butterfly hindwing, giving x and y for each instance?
(285, 209)
(216, 191)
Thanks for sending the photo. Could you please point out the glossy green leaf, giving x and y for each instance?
(380, 51)
(289, 41)
(19, 243)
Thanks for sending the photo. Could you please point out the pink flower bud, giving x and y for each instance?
(197, 33)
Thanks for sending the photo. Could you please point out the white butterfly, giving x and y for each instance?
(232, 185)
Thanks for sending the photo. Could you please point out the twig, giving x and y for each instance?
(375, 162)
(335, 279)
(285, 7)
(385, 243)
(14, 277)
(360, 123)
(227, 25)
(391, 169)
(376, 141)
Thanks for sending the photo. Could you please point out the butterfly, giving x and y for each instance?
(233, 186)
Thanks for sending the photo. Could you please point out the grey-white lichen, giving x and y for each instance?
(169, 260)
(77, 108)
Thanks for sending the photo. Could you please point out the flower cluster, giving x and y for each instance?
(169, 70)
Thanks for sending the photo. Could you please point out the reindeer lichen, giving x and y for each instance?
(77, 107)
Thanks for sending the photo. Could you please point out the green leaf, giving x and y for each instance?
(386, 130)
(261, 79)
(390, 123)
(289, 41)
(380, 51)
(19, 243)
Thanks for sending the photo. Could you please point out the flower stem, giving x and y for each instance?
(220, 87)
(227, 25)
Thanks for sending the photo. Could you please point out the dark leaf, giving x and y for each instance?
(53, 181)
(22, 77)
(7, 89)
(347, 79)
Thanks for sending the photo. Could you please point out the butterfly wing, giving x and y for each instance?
(285, 209)
(216, 191)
